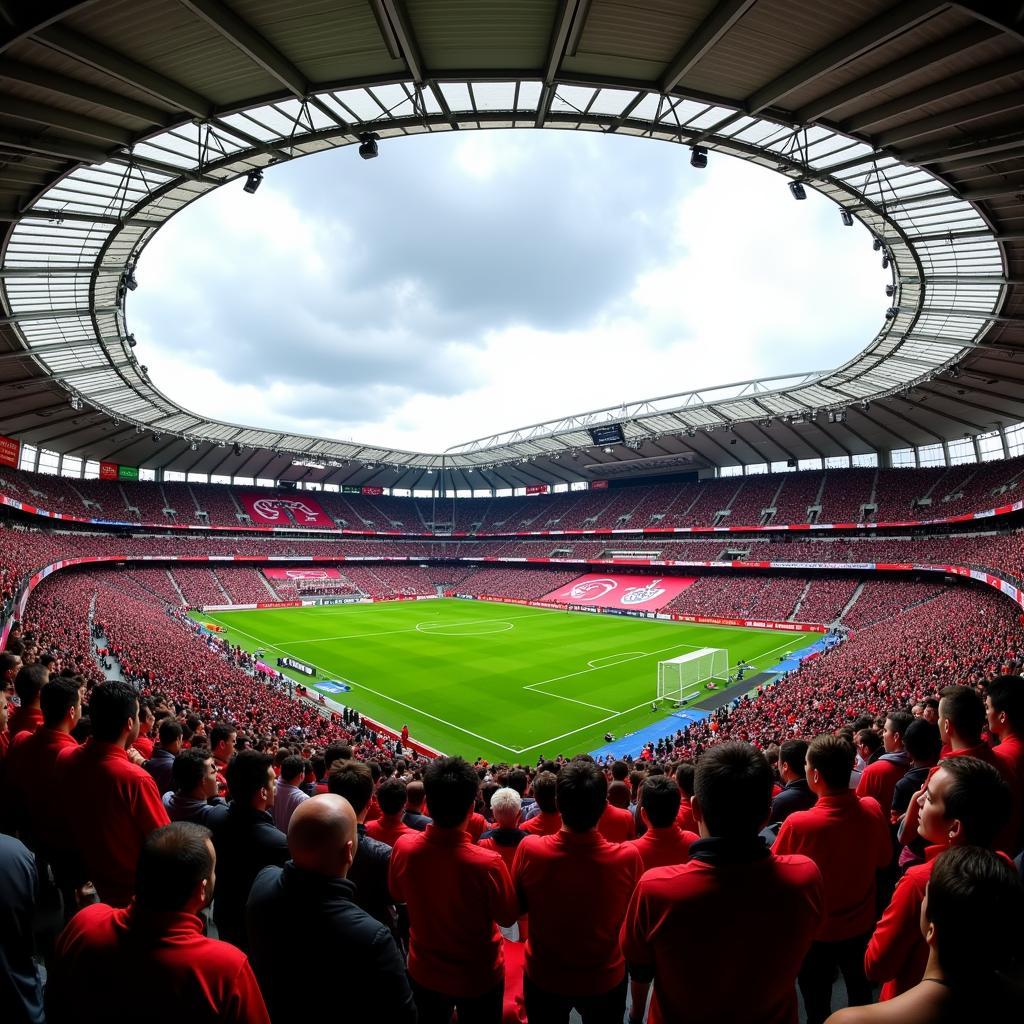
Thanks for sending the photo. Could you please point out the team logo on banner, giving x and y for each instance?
(641, 595)
(592, 590)
(270, 508)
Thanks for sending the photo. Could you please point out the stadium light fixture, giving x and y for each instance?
(890, 290)
(76, 403)
(193, 446)
(236, 448)
(698, 157)
(876, 244)
(157, 438)
(253, 180)
(891, 313)
(368, 146)
(847, 216)
(607, 450)
(797, 189)
(131, 341)
(885, 261)
(129, 279)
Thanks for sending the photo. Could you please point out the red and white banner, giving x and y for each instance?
(314, 573)
(108, 470)
(10, 452)
(599, 485)
(373, 492)
(274, 509)
(636, 593)
(537, 489)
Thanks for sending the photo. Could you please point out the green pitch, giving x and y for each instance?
(505, 682)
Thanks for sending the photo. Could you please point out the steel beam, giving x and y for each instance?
(242, 35)
(100, 57)
(958, 117)
(721, 18)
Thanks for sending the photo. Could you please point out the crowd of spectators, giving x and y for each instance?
(838, 495)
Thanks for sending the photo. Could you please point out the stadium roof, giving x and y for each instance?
(910, 115)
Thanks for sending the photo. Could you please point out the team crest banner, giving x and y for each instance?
(618, 590)
(315, 572)
(282, 510)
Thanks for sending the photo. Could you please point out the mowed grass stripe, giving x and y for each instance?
(494, 680)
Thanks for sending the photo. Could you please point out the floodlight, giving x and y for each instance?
(797, 189)
(885, 261)
(698, 157)
(847, 216)
(890, 290)
(76, 403)
(954, 371)
(157, 438)
(368, 146)
(253, 180)
(236, 448)
(891, 313)
(143, 369)
(129, 279)
(131, 341)
(139, 428)
(876, 244)
(193, 446)
(607, 451)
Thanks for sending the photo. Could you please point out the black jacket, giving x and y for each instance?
(795, 796)
(369, 871)
(416, 820)
(366, 978)
(246, 841)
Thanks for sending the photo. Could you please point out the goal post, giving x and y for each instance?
(683, 678)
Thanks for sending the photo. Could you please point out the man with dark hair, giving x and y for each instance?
(664, 843)
(575, 883)
(966, 803)
(961, 719)
(354, 781)
(289, 796)
(517, 779)
(923, 743)
(194, 790)
(685, 775)
(457, 895)
(720, 900)
(223, 738)
(388, 828)
(31, 804)
(415, 796)
(107, 804)
(616, 824)
(1004, 710)
(879, 778)
(247, 840)
(144, 741)
(28, 684)
(109, 962)
(796, 795)
(313, 897)
(847, 836)
(547, 821)
(161, 763)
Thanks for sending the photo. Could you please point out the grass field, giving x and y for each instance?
(506, 682)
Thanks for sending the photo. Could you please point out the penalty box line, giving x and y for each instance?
(377, 693)
(617, 714)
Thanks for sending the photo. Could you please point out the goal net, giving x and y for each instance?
(683, 678)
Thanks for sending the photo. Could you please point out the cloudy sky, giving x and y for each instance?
(462, 285)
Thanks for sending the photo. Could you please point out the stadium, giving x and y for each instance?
(674, 675)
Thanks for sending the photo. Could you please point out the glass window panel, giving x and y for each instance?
(868, 460)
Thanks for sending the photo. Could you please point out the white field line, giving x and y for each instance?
(377, 693)
(410, 629)
(584, 671)
(618, 714)
(625, 655)
(486, 739)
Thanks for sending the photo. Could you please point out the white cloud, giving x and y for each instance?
(284, 310)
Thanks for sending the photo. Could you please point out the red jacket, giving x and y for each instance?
(616, 824)
(456, 894)
(547, 823)
(109, 963)
(30, 784)
(1009, 758)
(385, 833)
(663, 847)
(848, 838)
(897, 952)
(678, 913)
(108, 806)
(878, 780)
(575, 887)
(24, 720)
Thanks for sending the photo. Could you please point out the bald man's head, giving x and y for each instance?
(322, 835)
